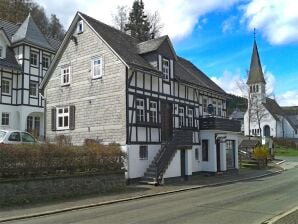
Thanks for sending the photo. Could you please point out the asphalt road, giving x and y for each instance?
(244, 202)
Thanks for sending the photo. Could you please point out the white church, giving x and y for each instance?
(264, 117)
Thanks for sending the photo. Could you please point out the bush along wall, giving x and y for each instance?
(36, 172)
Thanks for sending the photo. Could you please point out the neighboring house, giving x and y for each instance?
(25, 55)
(275, 121)
(238, 115)
(106, 85)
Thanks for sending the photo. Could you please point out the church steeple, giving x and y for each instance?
(256, 80)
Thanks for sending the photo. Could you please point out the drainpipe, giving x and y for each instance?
(44, 115)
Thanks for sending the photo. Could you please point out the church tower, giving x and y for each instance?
(256, 81)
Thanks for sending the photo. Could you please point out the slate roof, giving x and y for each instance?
(255, 72)
(10, 60)
(246, 143)
(29, 32)
(150, 45)
(9, 28)
(275, 110)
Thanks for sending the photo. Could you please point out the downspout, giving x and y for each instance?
(44, 115)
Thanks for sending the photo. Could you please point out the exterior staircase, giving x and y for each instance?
(161, 161)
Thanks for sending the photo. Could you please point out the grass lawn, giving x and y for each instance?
(283, 151)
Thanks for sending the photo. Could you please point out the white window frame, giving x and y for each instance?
(47, 57)
(37, 56)
(80, 27)
(1, 52)
(214, 103)
(140, 110)
(9, 86)
(205, 106)
(62, 115)
(166, 68)
(190, 117)
(8, 118)
(63, 74)
(181, 116)
(219, 108)
(153, 111)
(36, 88)
(99, 66)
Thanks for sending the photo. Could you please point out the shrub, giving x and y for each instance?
(47, 159)
(261, 153)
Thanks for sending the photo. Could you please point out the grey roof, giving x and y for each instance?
(9, 61)
(187, 71)
(124, 45)
(29, 32)
(55, 43)
(9, 28)
(150, 45)
(275, 110)
(246, 143)
(255, 72)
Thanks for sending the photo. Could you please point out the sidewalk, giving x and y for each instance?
(132, 192)
(290, 217)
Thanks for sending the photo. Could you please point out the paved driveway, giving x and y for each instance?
(290, 162)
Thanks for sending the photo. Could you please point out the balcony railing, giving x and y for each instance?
(223, 124)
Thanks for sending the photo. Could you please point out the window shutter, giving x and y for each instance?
(54, 117)
(72, 117)
(171, 69)
(159, 63)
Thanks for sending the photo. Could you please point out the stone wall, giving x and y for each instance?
(21, 190)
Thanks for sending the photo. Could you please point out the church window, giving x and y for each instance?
(254, 89)
(257, 88)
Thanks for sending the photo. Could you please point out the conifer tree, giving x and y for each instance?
(138, 23)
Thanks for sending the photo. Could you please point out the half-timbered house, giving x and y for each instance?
(25, 55)
(166, 114)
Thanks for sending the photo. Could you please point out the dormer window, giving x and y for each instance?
(165, 68)
(1, 52)
(80, 27)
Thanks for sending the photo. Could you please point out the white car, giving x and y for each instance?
(16, 137)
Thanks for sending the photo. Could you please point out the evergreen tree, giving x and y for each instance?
(138, 24)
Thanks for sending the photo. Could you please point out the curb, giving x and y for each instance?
(280, 162)
(34, 215)
(280, 216)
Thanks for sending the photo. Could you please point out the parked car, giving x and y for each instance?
(16, 137)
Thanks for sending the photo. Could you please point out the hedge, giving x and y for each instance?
(47, 159)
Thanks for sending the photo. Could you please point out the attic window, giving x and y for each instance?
(80, 27)
(165, 68)
(1, 52)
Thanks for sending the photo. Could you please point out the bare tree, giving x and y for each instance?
(120, 18)
(155, 22)
(257, 112)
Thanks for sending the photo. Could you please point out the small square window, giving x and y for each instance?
(143, 153)
(6, 86)
(5, 119)
(33, 88)
(80, 27)
(96, 68)
(65, 76)
(34, 58)
(45, 61)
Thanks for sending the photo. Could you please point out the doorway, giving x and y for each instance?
(166, 121)
(218, 155)
(182, 162)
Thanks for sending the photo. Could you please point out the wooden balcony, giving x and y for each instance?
(223, 124)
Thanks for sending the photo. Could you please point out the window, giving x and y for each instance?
(165, 68)
(205, 151)
(14, 137)
(96, 68)
(5, 119)
(65, 76)
(1, 52)
(37, 125)
(153, 112)
(45, 61)
(33, 88)
(219, 107)
(230, 154)
(34, 58)
(190, 117)
(62, 118)
(214, 107)
(181, 116)
(80, 27)
(6, 86)
(196, 154)
(27, 138)
(29, 123)
(140, 113)
(143, 152)
(205, 105)
(257, 88)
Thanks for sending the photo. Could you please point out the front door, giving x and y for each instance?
(182, 158)
(218, 155)
(166, 121)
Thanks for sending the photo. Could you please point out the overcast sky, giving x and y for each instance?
(217, 36)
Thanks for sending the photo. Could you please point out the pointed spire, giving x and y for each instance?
(30, 33)
(255, 72)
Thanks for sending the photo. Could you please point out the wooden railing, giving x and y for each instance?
(223, 124)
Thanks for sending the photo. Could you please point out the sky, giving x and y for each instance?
(217, 36)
